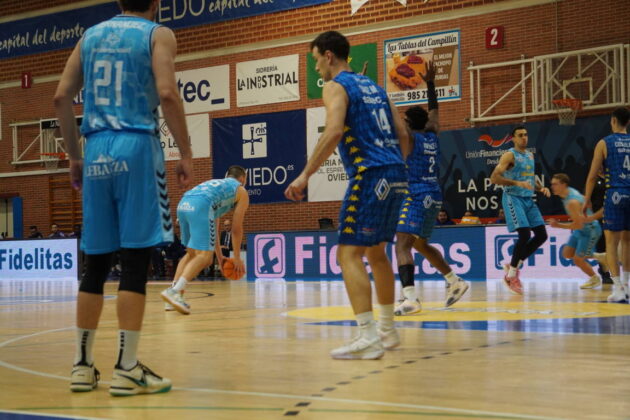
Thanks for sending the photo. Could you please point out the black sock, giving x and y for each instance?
(406, 274)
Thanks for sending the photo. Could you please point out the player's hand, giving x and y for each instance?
(429, 76)
(587, 205)
(76, 174)
(184, 171)
(553, 223)
(295, 191)
(239, 267)
(524, 184)
(545, 191)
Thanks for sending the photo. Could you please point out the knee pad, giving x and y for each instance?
(95, 271)
(135, 265)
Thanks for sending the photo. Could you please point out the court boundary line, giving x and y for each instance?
(273, 395)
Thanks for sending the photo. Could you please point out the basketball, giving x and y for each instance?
(228, 269)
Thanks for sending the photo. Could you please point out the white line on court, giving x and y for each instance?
(272, 395)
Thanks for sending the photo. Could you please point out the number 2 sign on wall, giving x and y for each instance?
(495, 37)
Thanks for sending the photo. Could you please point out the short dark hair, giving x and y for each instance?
(622, 115)
(135, 5)
(235, 171)
(518, 127)
(334, 42)
(417, 117)
(564, 178)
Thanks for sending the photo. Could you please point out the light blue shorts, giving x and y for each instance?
(196, 223)
(585, 239)
(125, 201)
(521, 212)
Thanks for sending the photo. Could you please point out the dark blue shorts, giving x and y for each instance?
(418, 213)
(617, 209)
(370, 209)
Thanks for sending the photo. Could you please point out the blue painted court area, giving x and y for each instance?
(18, 415)
(619, 325)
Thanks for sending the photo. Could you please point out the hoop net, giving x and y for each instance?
(567, 110)
(51, 160)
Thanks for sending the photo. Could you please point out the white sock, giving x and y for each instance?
(367, 326)
(511, 272)
(386, 317)
(451, 277)
(128, 348)
(409, 293)
(616, 281)
(85, 340)
(181, 284)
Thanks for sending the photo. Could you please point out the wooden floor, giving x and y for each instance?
(260, 351)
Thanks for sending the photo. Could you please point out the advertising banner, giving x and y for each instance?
(406, 60)
(362, 59)
(330, 181)
(54, 259)
(312, 255)
(271, 147)
(204, 90)
(198, 133)
(268, 81)
(469, 156)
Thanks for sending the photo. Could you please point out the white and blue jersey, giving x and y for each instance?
(120, 91)
(125, 200)
(582, 240)
(200, 206)
(371, 155)
(424, 199)
(518, 204)
(617, 173)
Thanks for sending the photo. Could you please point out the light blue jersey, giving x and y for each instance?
(575, 195)
(120, 91)
(582, 240)
(523, 170)
(220, 194)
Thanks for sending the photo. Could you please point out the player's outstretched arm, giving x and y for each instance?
(433, 124)
(238, 220)
(69, 85)
(574, 209)
(336, 103)
(598, 161)
(542, 189)
(163, 64)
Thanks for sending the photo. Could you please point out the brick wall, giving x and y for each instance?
(563, 26)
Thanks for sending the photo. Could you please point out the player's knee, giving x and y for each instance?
(568, 252)
(135, 265)
(95, 273)
(540, 233)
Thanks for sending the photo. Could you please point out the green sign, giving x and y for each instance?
(360, 56)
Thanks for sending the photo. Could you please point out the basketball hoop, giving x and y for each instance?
(51, 160)
(567, 110)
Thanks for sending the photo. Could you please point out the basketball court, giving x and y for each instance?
(260, 350)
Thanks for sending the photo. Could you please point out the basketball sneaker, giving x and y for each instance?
(408, 307)
(591, 283)
(137, 380)
(513, 284)
(618, 295)
(361, 348)
(84, 378)
(389, 338)
(168, 307)
(176, 299)
(455, 291)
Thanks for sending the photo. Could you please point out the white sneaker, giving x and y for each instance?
(618, 295)
(84, 378)
(389, 338)
(138, 380)
(176, 299)
(168, 307)
(408, 307)
(361, 348)
(455, 291)
(591, 283)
